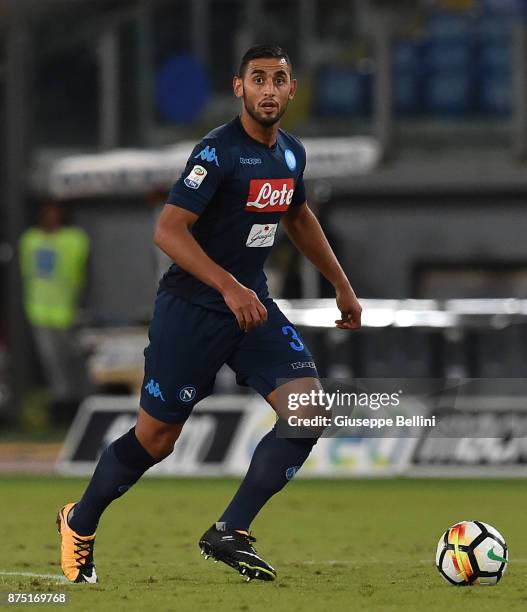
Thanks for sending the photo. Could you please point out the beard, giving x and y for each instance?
(264, 120)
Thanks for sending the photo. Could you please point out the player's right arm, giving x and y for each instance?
(173, 236)
(208, 166)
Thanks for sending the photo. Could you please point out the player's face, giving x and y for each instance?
(266, 89)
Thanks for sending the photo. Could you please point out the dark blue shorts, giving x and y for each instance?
(189, 344)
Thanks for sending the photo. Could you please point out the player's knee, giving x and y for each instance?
(159, 442)
(162, 444)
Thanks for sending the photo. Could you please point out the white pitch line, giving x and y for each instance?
(56, 577)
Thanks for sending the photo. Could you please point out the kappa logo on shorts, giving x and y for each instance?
(187, 394)
(299, 365)
(153, 389)
(270, 195)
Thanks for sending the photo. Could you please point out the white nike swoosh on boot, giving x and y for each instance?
(92, 578)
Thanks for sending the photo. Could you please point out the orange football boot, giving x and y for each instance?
(76, 551)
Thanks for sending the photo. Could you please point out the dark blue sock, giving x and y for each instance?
(119, 467)
(274, 463)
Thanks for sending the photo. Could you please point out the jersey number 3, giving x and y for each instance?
(296, 344)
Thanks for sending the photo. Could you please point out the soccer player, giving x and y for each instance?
(213, 307)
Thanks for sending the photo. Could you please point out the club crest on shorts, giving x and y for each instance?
(195, 178)
(187, 394)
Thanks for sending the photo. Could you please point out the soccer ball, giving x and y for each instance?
(472, 552)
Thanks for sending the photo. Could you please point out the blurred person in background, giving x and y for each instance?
(53, 261)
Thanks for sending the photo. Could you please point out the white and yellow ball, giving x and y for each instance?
(472, 553)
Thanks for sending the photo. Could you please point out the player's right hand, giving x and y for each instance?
(245, 306)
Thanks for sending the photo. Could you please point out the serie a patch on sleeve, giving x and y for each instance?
(196, 177)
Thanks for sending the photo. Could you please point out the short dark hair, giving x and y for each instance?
(263, 51)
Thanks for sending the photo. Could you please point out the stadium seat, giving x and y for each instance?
(496, 94)
(449, 93)
(408, 71)
(342, 91)
(174, 103)
(450, 26)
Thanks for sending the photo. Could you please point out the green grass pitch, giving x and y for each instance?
(337, 545)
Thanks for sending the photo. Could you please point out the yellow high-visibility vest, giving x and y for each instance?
(53, 266)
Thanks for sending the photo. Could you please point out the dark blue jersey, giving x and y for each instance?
(240, 188)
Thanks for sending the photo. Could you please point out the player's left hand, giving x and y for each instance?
(349, 307)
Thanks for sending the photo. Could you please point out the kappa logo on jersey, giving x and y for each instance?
(195, 178)
(270, 195)
(153, 389)
(208, 154)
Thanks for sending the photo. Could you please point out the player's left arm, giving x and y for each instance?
(307, 235)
